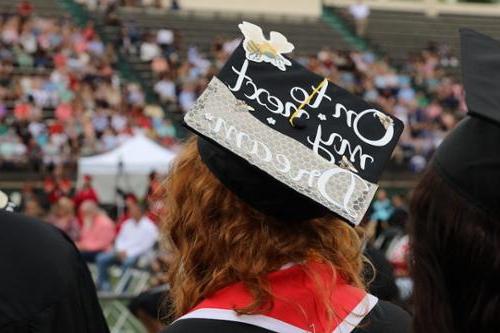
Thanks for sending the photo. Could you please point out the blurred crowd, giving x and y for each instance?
(106, 4)
(104, 237)
(420, 92)
(61, 96)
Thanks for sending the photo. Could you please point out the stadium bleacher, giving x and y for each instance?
(201, 28)
(399, 33)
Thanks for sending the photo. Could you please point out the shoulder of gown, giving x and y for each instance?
(385, 317)
(45, 285)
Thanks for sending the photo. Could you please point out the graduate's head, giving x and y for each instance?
(284, 164)
(455, 209)
(219, 239)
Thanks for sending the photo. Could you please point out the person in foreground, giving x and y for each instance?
(261, 221)
(45, 285)
(455, 211)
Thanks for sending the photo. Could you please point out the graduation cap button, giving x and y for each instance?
(298, 123)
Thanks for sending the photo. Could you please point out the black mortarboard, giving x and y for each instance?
(287, 141)
(469, 157)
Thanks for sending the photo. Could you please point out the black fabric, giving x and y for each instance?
(469, 157)
(384, 318)
(469, 160)
(45, 287)
(481, 73)
(153, 302)
(383, 284)
(257, 187)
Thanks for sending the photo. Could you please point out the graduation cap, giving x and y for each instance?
(289, 142)
(469, 157)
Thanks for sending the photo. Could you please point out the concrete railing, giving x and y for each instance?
(428, 7)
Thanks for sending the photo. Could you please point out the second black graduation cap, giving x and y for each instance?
(287, 141)
(469, 157)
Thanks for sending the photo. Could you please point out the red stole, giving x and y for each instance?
(295, 308)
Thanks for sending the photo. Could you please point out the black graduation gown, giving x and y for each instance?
(383, 318)
(45, 286)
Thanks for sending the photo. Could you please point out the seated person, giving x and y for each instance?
(98, 231)
(137, 236)
(63, 217)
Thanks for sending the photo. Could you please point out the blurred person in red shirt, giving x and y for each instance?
(52, 190)
(98, 231)
(24, 8)
(86, 192)
(22, 111)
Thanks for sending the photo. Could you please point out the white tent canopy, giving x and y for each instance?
(126, 167)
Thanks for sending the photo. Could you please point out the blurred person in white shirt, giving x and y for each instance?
(137, 236)
(164, 37)
(165, 88)
(187, 96)
(360, 12)
(149, 49)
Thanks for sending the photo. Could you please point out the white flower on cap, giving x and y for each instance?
(260, 49)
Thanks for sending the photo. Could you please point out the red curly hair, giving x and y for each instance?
(219, 240)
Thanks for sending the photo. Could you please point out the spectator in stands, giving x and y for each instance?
(382, 207)
(137, 236)
(98, 231)
(174, 5)
(165, 88)
(33, 209)
(397, 252)
(187, 97)
(130, 200)
(360, 12)
(149, 48)
(63, 216)
(154, 184)
(394, 229)
(165, 38)
(24, 8)
(86, 192)
(399, 215)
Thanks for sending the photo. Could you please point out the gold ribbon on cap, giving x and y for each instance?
(307, 100)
